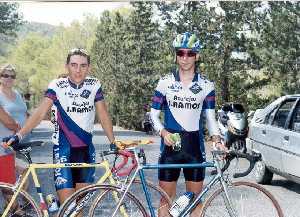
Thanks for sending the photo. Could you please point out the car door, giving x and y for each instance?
(291, 144)
(275, 134)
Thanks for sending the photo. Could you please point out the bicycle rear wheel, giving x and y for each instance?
(24, 205)
(248, 200)
(101, 200)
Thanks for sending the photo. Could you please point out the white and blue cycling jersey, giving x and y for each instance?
(73, 115)
(74, 110)
(185, 107)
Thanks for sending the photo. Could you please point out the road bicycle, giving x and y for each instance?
(234, 199)
(15, 200)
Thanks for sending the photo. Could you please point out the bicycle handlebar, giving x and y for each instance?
(230, 155)
(120, 169)
(123, 144)
(119, 149)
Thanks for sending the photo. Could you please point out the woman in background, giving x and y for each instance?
(13, 110)
(13, 113)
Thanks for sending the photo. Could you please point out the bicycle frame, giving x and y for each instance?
(140, 172)
(35, 166)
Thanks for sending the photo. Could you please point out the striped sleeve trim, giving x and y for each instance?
(50, 94)
(99, 95)
(210, 101)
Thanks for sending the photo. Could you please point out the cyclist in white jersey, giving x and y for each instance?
(185, 98)
(74, 100)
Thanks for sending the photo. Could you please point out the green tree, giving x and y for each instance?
(32, 62)
(110, 63)
(127, 53)
(10, 21)
(279, 46)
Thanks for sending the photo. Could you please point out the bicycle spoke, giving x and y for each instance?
(247, 199)
(161, 202)
(23, 205)
(101, 200)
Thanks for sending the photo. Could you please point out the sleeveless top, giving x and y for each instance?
(16, 109)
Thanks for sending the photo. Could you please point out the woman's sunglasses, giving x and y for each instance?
(8, 76)
(186, 53)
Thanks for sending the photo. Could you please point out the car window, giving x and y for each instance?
(269, 118)
(295, 123)
(282, 113)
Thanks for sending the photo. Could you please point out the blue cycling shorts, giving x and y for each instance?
(68, 177)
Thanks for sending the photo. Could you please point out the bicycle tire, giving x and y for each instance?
(84, 200)
(25, 206)
(248, 199)
(160, 200)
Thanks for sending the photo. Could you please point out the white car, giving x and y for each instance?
(275, 133)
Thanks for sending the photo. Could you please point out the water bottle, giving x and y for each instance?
(52, 203)
(181, 203)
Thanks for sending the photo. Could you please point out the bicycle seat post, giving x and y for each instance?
(137, 155)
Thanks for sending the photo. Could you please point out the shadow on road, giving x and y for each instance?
(292, 186)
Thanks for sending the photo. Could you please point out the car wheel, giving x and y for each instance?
(262, 174)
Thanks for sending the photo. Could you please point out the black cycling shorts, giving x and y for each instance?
(80, 155)
(190, 153)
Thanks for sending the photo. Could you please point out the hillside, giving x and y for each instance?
(44, 29)
(40, 28)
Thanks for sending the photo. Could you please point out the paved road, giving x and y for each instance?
(286, 192)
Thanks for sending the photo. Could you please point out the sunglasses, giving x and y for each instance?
(8, 76)
(78, 51)
(186, 53)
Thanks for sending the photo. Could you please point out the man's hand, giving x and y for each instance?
(220, 146)
(113, 146)
(166, 136)
(12, 140)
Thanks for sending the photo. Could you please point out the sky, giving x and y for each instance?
(56, 13)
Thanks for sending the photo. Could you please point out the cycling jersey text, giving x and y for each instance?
(80, 110)
(184, 102)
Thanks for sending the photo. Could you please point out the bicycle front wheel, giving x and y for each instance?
(24, 205)
(101, 200)
(246, 199)
(160, 201)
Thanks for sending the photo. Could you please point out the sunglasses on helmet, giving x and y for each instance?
(186, 53)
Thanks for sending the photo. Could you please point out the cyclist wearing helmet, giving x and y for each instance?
(184, 96)
(74, 99)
